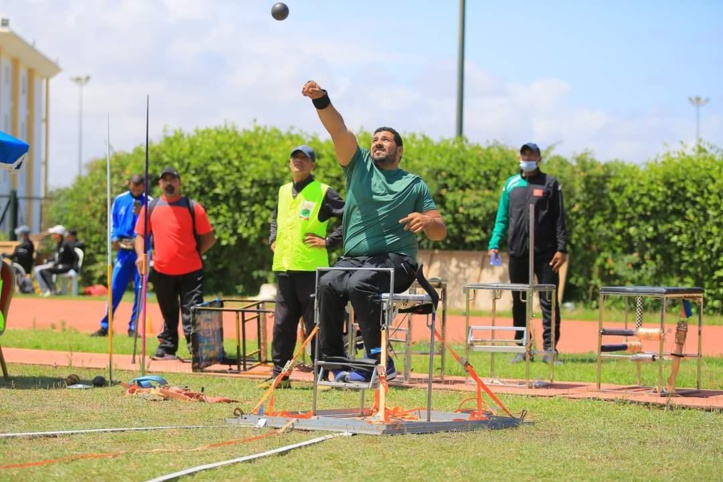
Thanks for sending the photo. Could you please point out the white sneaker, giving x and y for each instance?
(520, 357)
(548, 359)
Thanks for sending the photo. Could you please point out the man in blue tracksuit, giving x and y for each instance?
(124, 215)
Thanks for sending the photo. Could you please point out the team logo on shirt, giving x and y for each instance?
(306, 209)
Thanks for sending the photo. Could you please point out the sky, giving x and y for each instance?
(609, 77)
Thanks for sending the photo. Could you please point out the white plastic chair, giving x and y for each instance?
(72, 275)
(19, 272)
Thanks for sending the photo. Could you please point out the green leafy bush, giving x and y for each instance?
(654, 224)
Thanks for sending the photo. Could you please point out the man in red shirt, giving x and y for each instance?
(181, 233)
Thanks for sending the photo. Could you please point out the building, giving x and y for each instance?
(25, 75)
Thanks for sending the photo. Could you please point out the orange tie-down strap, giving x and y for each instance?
(287, 414)
(286, 372)
(480, 384)
(390, 413)
(71, 458)
(172, 393)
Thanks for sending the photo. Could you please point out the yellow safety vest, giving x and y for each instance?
(296, 217)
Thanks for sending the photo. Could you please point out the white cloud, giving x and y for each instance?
(203, 66)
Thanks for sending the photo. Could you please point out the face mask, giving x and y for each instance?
(170, 190)
(528, 166)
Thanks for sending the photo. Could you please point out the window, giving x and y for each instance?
(7, 75)
(24, 85)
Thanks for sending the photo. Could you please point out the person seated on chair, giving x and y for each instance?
(65, 260)
(72, 237)
(385, 208)
(22, 260)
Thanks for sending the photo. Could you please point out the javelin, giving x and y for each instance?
(110, 263)
(144, 289)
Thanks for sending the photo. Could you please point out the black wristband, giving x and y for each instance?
(322, 102)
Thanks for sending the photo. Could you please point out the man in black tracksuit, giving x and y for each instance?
(532, 186)
(24, 253)
(22, 260)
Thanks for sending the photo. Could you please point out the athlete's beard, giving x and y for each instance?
(385, 160)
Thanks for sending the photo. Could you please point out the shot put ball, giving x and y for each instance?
(72, 379)
(280, 11)
(99, 381)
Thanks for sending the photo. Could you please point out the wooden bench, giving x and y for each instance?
(7, 247)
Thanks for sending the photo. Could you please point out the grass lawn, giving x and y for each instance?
(567, 439)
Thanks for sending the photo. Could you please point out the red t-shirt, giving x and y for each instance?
(174, 242)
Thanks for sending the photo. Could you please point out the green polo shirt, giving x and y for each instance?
(376, 200)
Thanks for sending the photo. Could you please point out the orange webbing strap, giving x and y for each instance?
(379, 409)
(173, 393)
(380, 394)
(285, 373)
(479, 414)
(287, 414)
(224, 444)
(480, 384)
(390, 412)
(71, 458)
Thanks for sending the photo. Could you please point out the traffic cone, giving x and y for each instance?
(149, 324)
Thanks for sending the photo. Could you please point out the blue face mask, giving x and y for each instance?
(528, 166)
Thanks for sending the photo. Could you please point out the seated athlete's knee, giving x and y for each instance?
(329, 284)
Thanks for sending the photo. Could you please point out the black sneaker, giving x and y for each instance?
(101, 332)
(305, 368)
(163, 356)
(131, 332)
(283, 383)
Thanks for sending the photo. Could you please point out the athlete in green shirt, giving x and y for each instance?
(385, 208)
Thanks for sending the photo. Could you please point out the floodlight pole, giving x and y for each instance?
(80, 81)
(460, 70)
(697, 102)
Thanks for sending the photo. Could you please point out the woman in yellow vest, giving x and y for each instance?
(300, 244)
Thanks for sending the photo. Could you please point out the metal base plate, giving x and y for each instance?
(349, 420)
(515, 383)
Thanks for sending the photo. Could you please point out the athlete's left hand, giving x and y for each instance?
(558, 260)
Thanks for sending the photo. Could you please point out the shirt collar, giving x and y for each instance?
(299, 186)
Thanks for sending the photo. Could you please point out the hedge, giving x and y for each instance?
(652, 224)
